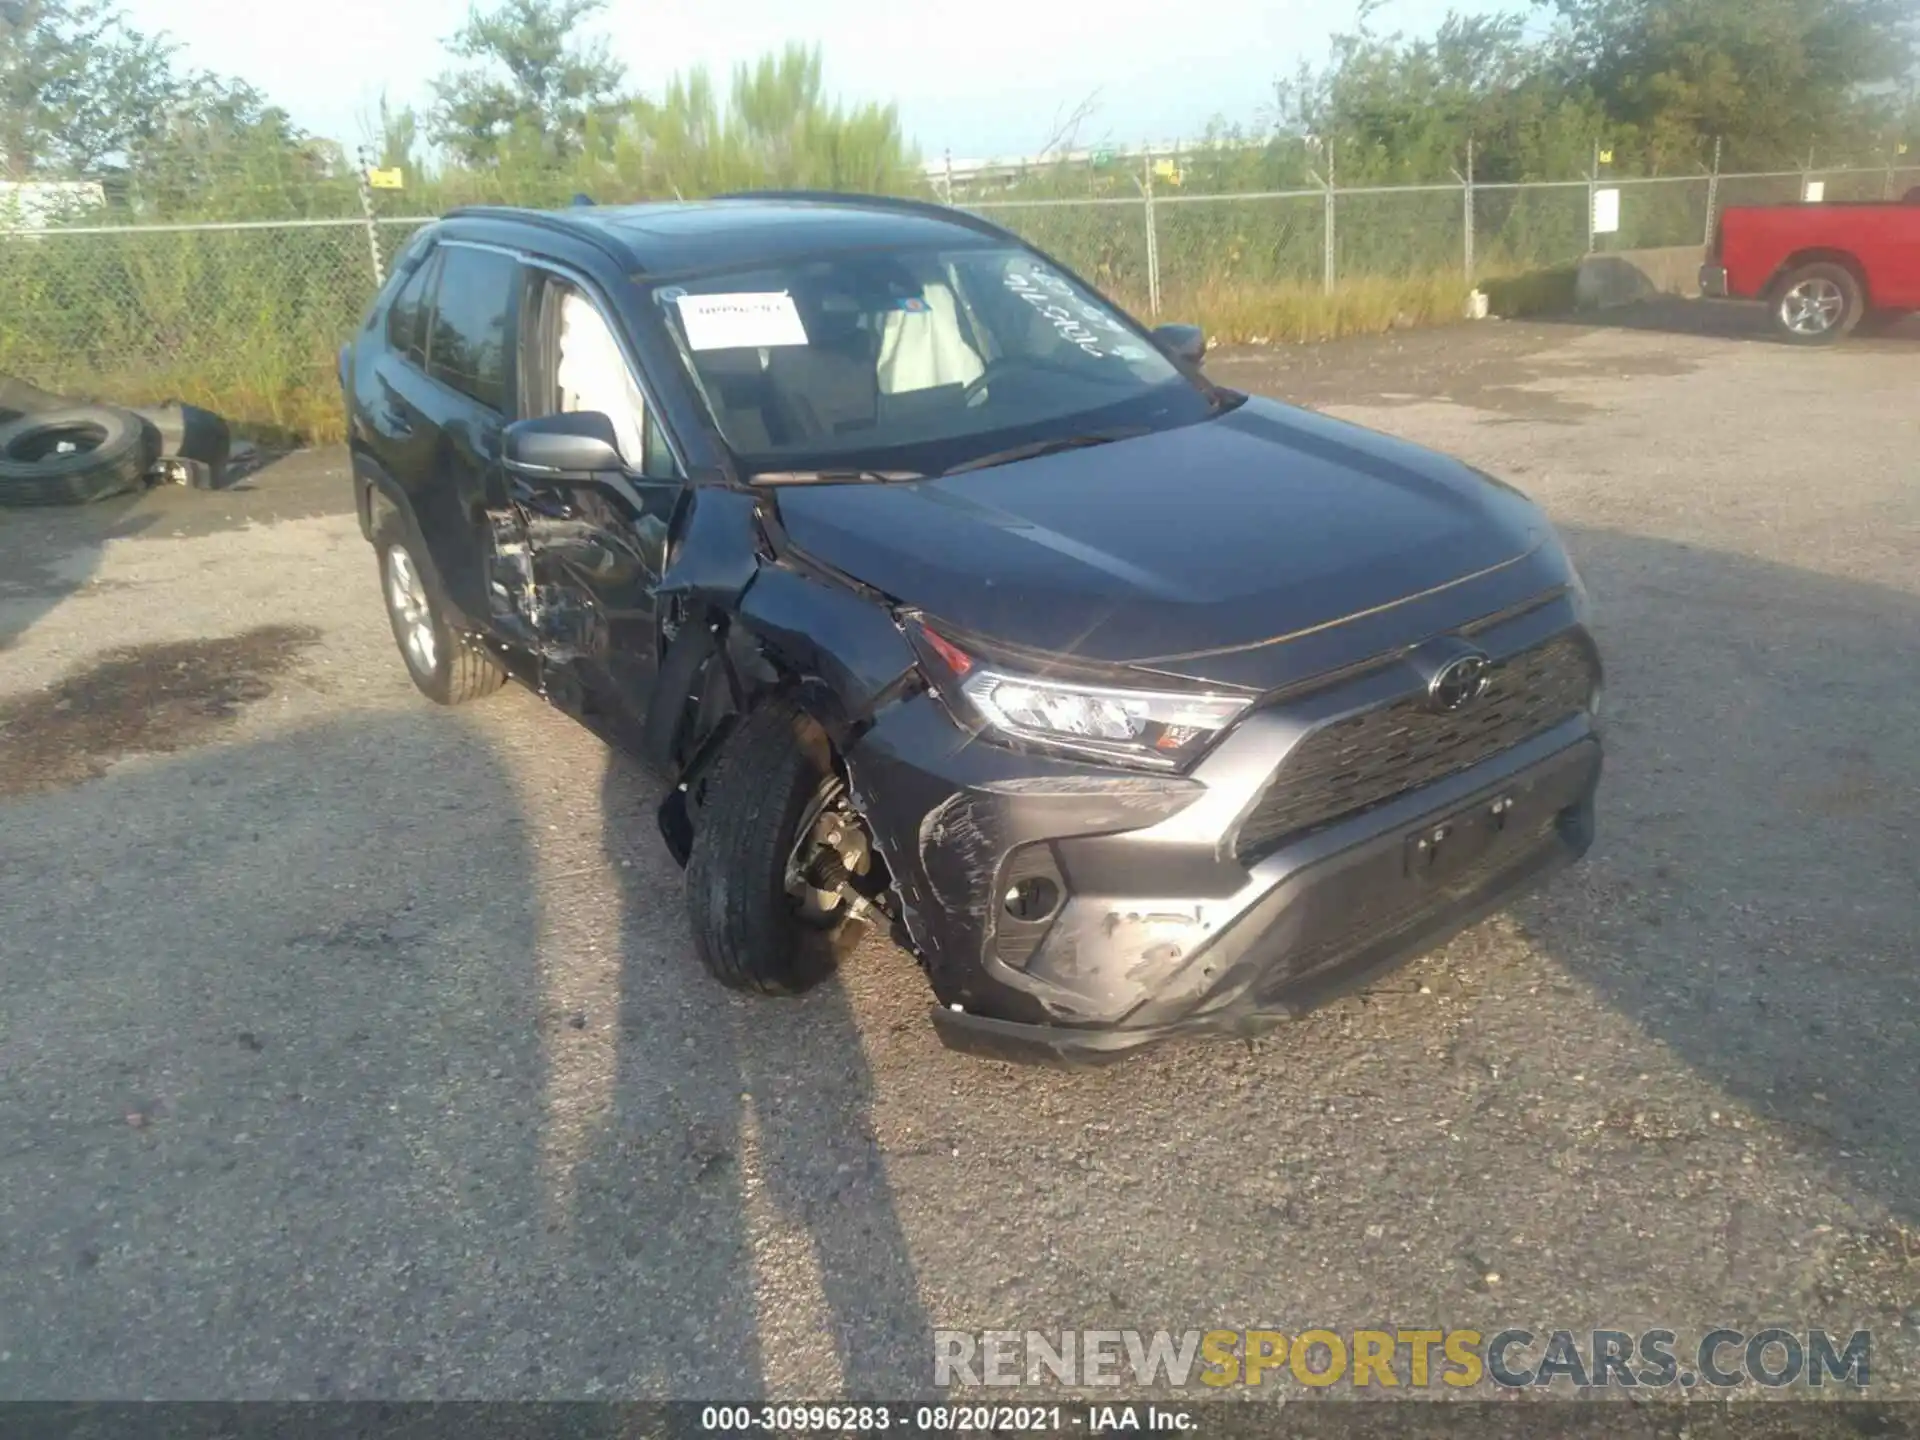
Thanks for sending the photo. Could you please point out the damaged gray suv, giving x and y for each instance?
(952, 600)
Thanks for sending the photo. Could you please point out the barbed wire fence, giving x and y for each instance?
(248, 316)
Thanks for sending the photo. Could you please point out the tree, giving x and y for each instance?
(78, 86)
(532, 79)
(1772, 75)
(1657, 80)
(219, 149)
(1393, 109)
(777, 128)
(399, 136)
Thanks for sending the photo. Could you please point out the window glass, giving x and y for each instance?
(659, 461)
(467, 348)
(592, 375)
(914, 358)
(407, 319)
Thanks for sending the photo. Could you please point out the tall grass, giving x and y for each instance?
(1297, 312)
(244, 322)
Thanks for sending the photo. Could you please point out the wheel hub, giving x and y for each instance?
(1812, 307)
(830, 850)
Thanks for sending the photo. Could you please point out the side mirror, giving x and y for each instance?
(555, 446)
(1182, 342)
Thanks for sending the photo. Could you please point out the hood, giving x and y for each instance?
(1265, 522)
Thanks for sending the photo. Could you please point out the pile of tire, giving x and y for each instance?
(74, 454)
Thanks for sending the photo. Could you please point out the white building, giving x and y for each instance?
(37, 204)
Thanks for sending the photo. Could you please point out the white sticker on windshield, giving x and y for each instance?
(740, 322)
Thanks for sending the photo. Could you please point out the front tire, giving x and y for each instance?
(1817, 304)
(764, 789)
(447, 668)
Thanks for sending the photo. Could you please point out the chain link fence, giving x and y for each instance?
(1178, 244)
(247, 317)
(243, 317)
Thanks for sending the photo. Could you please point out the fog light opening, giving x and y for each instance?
(1033, 899)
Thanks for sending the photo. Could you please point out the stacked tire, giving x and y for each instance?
(75, 455)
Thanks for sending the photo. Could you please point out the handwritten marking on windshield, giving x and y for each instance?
(1039, 290)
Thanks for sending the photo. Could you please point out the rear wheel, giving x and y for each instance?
(448, 668)
(777, 854)
(1817, 304)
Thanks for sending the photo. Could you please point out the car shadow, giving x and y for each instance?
(303, 1099)
(1737, 320)
(1750, 901)
(738, 1167)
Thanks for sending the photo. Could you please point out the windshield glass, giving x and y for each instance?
(915, 360)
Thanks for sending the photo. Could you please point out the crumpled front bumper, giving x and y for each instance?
(1332, 914)
(1158, 927)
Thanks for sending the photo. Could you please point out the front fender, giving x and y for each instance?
(845, 648)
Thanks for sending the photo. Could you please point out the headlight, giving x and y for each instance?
(1159, 728)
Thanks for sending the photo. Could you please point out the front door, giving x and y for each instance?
(598, 547)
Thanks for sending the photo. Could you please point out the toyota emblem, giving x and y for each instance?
(1459, 683)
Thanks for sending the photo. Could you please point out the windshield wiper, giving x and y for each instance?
(1033, 449)
(832, 477)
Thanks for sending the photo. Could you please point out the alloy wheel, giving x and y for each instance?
(1813, 307)
(407, 597)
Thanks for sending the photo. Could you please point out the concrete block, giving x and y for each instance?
(1620, 277)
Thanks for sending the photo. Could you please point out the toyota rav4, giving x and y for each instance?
(950, 599)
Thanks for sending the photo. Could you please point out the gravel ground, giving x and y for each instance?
(355, 1048)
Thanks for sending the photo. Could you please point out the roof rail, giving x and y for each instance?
(852, 201)
(562, 223)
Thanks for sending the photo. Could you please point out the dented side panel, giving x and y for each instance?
(526, 597)
(711, 557)
(717, 550)
(827, 630)
(574, 567)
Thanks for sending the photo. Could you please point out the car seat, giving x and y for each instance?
(830, 385)
(736, 384)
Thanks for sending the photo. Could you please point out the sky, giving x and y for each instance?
(988, 78)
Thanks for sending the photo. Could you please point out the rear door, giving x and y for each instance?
(465, 399)
(396, 410)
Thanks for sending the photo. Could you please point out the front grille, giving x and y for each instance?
(1363, 760)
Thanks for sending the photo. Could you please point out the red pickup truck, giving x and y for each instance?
(1824, 270)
